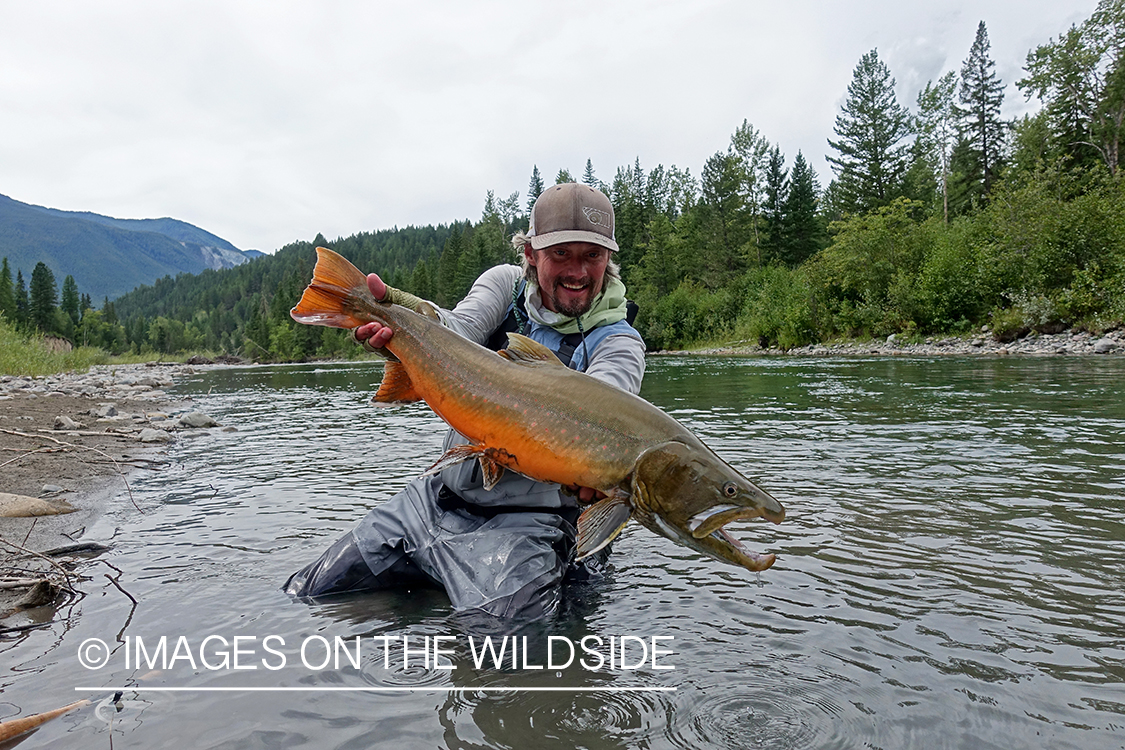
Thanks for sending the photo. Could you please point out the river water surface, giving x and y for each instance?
(951, 574)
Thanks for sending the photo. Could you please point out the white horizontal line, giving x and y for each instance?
(333, 689)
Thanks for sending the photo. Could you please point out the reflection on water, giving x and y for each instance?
(950, 574)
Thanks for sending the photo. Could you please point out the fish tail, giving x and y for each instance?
(337, 296)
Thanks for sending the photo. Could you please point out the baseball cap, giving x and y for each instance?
(571, 212)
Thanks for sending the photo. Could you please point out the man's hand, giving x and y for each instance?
(585, 495)
(374, 335)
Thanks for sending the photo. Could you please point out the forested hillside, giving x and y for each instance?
(107, 256)
(938, 217)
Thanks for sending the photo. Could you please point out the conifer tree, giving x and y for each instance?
(7, 293)
(43, 297)
(108, 312)
(22, 303)
(534, 188)
(752, 151)
(937, 129)
(563, 177)
(628, 196)
(420, 281)
(588, 177)
(509, 210)
(773, 209)
(723, 218)
(447, 292)
(1080, 78)
(70, 301)
(870, 130)
(982, 129)
(804, 232)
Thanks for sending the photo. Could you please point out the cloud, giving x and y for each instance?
(269, 122)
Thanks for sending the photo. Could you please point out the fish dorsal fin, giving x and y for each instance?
(525, 351)
(601, 523)
(397, 387)
(427, 310)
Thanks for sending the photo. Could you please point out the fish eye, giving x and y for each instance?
(730, 489)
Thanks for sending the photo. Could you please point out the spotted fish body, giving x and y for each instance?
(524, 411)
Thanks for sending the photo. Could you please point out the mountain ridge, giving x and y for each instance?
(108, 256)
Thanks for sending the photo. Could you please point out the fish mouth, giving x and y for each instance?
(707, 527)
(720, 545)
(709, 521)
(749, 560)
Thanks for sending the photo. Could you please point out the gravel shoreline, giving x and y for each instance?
(68, 445)
(1033, 345)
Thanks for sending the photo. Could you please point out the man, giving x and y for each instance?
(505, 551)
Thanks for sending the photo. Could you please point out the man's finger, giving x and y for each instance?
(376, 285)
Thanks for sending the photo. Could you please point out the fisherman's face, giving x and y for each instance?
(571, 275)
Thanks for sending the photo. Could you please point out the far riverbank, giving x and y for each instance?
(1068, 343)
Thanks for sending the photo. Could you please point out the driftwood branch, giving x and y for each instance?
(18, 583)
(132, 610)
(53, 564)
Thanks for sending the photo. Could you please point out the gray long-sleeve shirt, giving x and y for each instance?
(619, 360)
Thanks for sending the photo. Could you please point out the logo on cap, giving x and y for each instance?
(597, 217)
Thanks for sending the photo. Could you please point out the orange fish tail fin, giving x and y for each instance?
(337, 296)
(397, 387)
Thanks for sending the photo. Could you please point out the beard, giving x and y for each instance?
(569, 306)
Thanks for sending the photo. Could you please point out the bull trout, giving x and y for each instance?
(523, 411)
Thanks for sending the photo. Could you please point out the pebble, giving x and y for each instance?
(197, 419)
(66, 423)
(1104, 345)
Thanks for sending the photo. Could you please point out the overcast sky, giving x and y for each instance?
(267, 122)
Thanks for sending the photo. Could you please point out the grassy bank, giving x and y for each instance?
(23, 354)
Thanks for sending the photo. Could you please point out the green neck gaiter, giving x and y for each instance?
(608, 307)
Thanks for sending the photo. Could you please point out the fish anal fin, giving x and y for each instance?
(601, 523)
(491, 471)
(525, 351)
(397, 387)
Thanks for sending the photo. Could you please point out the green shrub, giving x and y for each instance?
(775, 308)
(691, 314)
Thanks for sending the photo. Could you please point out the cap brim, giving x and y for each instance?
(571, 235)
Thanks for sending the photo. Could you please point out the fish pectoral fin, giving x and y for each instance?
(397, 387)
(455, 455)
(491, 469)
(601, 523)
(524, 351)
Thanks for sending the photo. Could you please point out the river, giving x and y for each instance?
(950, 574)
